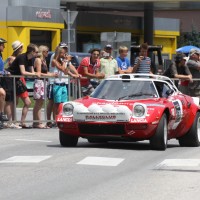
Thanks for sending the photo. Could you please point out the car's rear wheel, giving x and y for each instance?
(192, 137)
(159, 140)
(67, 140)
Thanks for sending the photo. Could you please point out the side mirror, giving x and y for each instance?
(169, 92)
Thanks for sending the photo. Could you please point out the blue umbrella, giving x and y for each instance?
(186, 49)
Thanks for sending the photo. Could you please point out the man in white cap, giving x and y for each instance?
(108, 65)
(194, 67)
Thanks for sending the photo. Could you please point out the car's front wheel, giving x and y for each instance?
(192, 138)
(159, 140)
(67, 140)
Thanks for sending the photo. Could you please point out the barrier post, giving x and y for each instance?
(15, 102)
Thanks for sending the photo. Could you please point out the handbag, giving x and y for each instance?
(20, 87)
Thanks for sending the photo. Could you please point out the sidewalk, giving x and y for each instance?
(29, 117)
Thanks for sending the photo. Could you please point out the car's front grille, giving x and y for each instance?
(102, 129)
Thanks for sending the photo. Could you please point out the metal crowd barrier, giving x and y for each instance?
(74, 92)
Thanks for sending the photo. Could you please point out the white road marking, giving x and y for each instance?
(25, 159)
(179, 163)
(102, 161)
(33, 140)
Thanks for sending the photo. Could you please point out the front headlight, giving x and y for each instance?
(139, 110)
(68, 109)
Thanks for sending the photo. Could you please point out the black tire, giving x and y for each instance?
(67, 140)
(159, 140)
(192, 137)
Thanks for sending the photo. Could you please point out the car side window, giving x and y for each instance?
(162, 88)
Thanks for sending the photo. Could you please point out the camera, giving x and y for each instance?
(105, 54)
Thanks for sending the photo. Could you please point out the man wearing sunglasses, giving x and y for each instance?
(23, 65)
(90, 69)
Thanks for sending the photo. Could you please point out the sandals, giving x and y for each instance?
(49, 124)
(40, 126)
(25, 126)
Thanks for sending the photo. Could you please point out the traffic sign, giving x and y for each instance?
(72, 17)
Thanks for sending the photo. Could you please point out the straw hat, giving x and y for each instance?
(16, 45)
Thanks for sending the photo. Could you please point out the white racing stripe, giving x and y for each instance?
(25, 159)
(33, 140)
(178, 163)
(101, 161)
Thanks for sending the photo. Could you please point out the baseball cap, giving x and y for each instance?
(108, 46)
(179, 57)
(194, 51)
(63, 45)
(2, 41)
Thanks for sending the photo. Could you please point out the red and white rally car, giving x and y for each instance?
(132, 107)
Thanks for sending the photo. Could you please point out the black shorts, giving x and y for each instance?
(0, 82)
(7, 85)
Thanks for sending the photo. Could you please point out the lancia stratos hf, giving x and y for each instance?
(132, 107)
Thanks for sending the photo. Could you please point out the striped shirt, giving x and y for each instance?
(145, 65)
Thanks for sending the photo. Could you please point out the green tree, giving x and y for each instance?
(189, 38)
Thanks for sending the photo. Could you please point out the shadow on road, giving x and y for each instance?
(139, 146)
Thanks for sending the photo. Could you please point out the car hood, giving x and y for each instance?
(109, 110)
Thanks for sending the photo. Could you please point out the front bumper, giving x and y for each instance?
(138, 131)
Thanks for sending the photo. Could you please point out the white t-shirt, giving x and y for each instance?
(56, 70)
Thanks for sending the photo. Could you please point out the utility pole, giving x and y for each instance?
(68, 29)
(69, 33)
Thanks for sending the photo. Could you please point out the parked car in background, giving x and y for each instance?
(132, 107)
(29, 85)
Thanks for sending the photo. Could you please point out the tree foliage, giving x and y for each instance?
(189, 38)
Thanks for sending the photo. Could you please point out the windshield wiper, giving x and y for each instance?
(135, 95)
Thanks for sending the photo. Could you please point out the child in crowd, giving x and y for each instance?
(142, 63)
(123, 62)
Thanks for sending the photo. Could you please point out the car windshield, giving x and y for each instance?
(125, 90)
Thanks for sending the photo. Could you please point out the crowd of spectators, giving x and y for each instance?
(33, 63)
(98, 66)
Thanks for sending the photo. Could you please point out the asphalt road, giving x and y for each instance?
(34, 166)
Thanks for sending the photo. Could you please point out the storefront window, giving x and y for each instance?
(87, 41)
(41, 38)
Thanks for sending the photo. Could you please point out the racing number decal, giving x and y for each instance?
(178, 112)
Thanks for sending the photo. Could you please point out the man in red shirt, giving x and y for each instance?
(89, 69)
